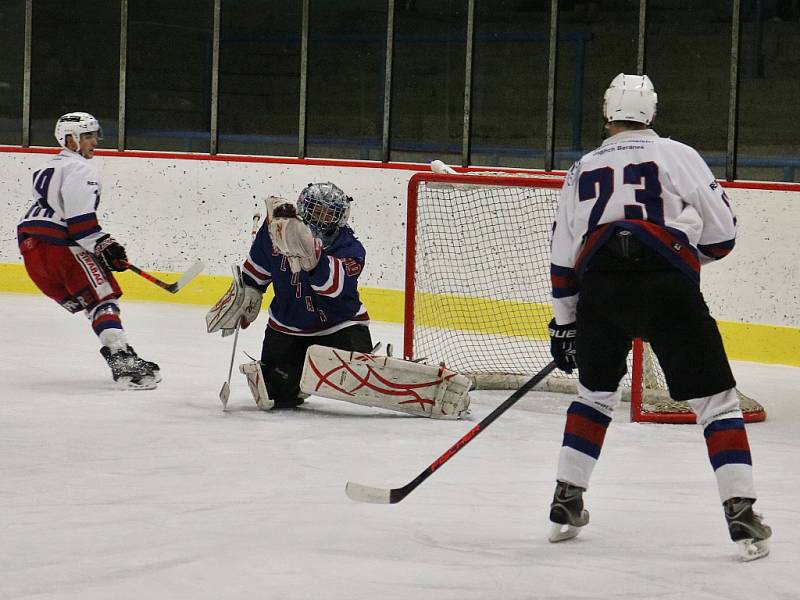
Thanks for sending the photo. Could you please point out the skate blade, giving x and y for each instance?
(750, 550)
(145, 383)
(560, 532)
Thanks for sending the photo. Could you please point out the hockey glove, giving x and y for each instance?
(239, 306)
(294, 240)
(562, 345)
(111, 254)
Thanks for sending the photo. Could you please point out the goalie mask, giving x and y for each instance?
(630, 98)
(75, 124)
(324, 208)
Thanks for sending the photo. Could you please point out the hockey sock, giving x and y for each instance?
(584, 433)
(108, 326)
(729, 453)
(105, 316)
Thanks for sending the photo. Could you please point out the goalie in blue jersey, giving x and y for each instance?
(313, 260)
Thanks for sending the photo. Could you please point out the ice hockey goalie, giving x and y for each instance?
(385, 382)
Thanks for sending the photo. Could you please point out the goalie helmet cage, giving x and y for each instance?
(477, 294)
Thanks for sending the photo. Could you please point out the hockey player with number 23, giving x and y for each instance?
(68, 255)
(637, 218)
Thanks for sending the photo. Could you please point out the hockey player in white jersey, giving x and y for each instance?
(68, 255)
(637, 218)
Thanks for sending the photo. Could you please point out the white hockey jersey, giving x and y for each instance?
(66, 192)
(658, 189)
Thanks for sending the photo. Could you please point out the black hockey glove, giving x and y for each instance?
(562, 345)
(111, 254)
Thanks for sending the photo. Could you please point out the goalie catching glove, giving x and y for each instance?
(238, 307)
(385, 382)
(291, 236)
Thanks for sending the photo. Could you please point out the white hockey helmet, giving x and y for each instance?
(630, 98)
(74, 124)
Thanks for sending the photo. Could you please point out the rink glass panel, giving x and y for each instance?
(74, 66)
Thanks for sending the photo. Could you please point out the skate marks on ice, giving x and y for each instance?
(159, 494)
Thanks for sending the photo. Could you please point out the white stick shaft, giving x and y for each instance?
(233, 352)
(226, 387)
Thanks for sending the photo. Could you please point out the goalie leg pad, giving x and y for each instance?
(385, 382)
(255, 381)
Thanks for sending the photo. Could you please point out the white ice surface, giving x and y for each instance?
(108, 494)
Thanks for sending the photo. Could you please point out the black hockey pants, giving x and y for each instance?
(283, 355)
(629, 291)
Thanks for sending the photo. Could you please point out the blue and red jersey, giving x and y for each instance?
(316, 302)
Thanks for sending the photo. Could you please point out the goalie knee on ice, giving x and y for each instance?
(385, 382)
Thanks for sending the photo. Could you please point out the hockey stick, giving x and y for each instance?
(365, 493)
(225, 392)
(172, 288)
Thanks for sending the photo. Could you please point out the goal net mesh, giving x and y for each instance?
(478, 288)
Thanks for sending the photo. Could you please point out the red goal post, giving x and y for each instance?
(477, 288)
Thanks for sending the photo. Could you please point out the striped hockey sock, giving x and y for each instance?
(729, 453)
(584, 433)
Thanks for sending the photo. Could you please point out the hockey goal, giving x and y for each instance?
(477, 293)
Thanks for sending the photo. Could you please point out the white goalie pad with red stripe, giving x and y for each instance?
(385, 382)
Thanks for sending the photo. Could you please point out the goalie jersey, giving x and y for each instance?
(66, 194)
(318, 302)
(658, 189)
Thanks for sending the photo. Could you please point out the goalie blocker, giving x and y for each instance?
(239, 306)
(385, 382)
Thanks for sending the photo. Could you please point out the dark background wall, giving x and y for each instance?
(75, 65)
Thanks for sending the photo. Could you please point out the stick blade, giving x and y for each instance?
(438, 166)
(224, 394)
(190, 274)
(366, 493)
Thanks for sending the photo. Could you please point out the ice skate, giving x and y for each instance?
(150, 365)
(290, 403)
(131, 371)
(747, 528)
(567, 513)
